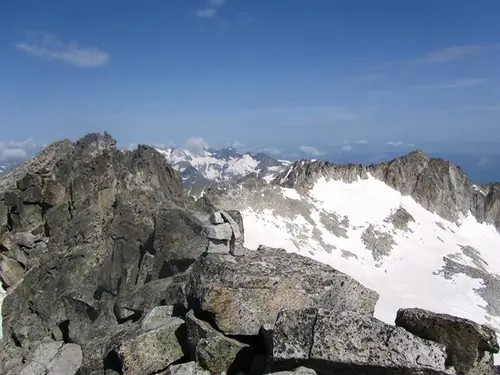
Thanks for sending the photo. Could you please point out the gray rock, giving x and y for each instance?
(237, 233)
(379, 243)
(214, 351)
(216, 218)
(466, 341)
(151, 351)
(189, 368)
(244, 293)
(218, 232)
(29, 218)
(11, 271)
(67, 361)
(400, 218)
(298, 371)
(54, 358)
(29, 180)
(237, 250)
(12, 250)
(25, 239)
(4, 212)
(218, 246)
(42, 356)
(157, 317)
(346, 342)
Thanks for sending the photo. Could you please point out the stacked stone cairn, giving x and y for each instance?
(224, 234)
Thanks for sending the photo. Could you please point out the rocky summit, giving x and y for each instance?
(109, 268)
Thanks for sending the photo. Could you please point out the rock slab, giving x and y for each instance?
(469, 345)
(330, 341)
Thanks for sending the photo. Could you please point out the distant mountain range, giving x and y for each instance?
(222, 167)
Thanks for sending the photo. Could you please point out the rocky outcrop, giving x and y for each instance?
(88, 228)
(244, 293)
(349, 343)
(108, 271)
(469, 346)
(438, 185)
(214, 351)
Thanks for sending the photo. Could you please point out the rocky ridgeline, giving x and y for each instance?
(110, 269)
(438, 185)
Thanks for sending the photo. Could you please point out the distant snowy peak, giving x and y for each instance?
(206, 167)
(438, 185)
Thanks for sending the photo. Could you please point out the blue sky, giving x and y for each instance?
(314, 76)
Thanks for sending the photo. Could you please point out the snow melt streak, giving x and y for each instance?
(407, 277)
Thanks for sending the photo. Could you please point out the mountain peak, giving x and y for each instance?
(437, 184)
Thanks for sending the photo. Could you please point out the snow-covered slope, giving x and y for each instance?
(202, 169)
(388, 241)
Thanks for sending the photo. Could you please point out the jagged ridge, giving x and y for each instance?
(438, 185)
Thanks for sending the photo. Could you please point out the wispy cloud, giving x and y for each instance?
(210, 10)
(196, 144)
(460, 83)
(394, 143)
(346, 148)
(49, 47)
(17, 150)
(311, 150)
(271, 150)
(361, 142)
(236, 145)
(459, 52)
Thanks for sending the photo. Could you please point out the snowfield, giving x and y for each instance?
(405, 263)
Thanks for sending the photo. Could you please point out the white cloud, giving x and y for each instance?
(311, 150)
(271, 150)
(346, 148)
(394, 143)
(196, 144)
(459, 83)
(237, 145)
(210, 10)
(454, 53)
(361, 142)
(17, 150)
(206, 12)
(49, 47)
(13, 154)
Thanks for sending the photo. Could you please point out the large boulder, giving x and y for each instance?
(469, 345)
(153, 350)
(345, 342)
(214, 351)
(246, 292)
(189, 368)
(51, 358)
